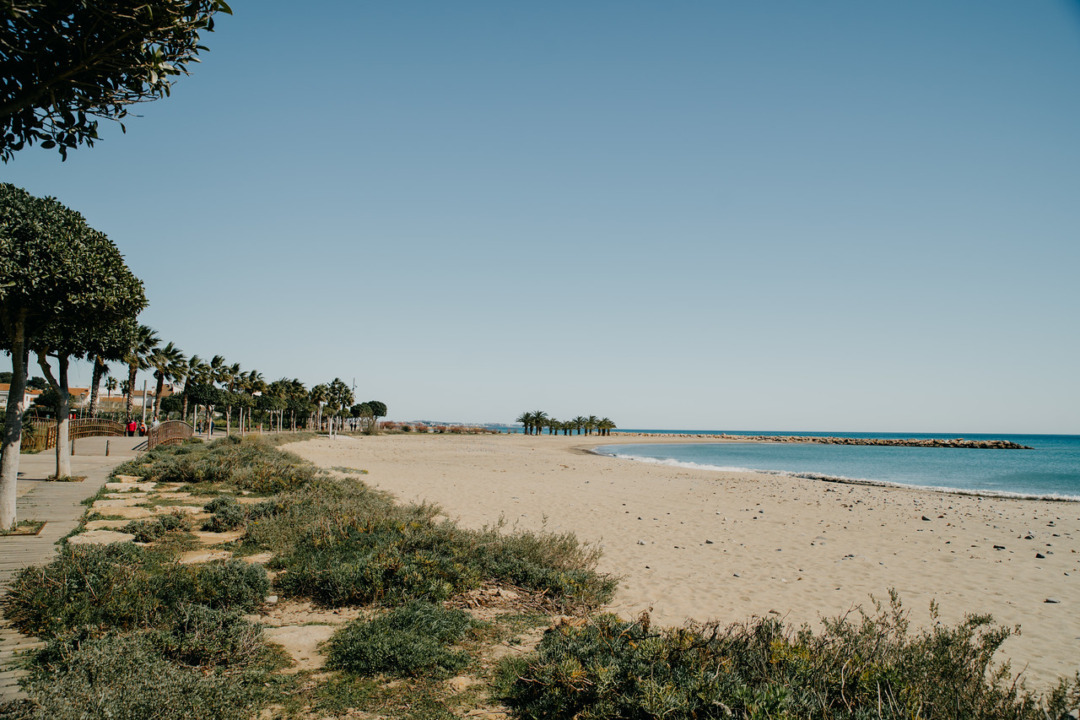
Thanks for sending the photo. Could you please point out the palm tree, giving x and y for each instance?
(540, 418)
(216, 372)
(319, 395)
(194, 374)
(137, 355)
(606, 426)
(229, 377)
(250, 383)
(101, 369)
(110, 384)
(526, 420)
(168, 362)
(591, 424)
(579, 423)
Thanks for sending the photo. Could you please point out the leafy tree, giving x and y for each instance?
(37, 383)
(378, 410)
(66, 63)
(55, 272)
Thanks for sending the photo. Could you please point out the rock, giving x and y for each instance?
(130, 486)
(926, 518)
(1039, 556)
(640, 542)
(271, 599)
(1052, 601)
(708, 542)
(999, 547)
(197, 557)
(100, 537)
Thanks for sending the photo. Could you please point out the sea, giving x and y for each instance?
(1050, 470)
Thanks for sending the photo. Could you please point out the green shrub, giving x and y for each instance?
(150, 530)
(204, 637)
(124, 586)
(342, 543)
(220, 503)
(123, 677)
(871, 668)
(232, 584)
(245, 464)
(228, 514)
(411, 640)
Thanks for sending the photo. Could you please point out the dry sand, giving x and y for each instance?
(729, 546)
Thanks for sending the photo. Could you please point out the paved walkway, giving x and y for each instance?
(59, 504)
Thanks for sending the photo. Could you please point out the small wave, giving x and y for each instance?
(840, 479)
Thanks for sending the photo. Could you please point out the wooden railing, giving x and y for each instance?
(41, 434)
(170, 432)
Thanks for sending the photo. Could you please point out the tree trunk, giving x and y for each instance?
(132, 370)
(10, 449)
(95, 384)
(157, 394)
(63, 407)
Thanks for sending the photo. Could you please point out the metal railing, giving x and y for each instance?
(170, 432)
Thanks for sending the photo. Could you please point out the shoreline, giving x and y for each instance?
(661, 439)
(692, 543)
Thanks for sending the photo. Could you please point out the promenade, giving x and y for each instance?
(59, 504)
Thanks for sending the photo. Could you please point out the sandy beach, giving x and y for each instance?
(729, 546)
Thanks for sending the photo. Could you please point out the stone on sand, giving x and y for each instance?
(100, 537)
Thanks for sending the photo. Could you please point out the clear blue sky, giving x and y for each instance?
(723, 215)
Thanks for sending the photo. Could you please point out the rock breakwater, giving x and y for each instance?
(883, 442)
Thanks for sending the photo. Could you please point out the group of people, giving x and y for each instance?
(136, 427)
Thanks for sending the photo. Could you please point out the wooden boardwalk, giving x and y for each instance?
(59, 504)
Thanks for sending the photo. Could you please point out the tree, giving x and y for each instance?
(168, 362)
(64, 64)
(378, 410)
(318, 396)
(137, 357)
(111, 347)
(55, 272)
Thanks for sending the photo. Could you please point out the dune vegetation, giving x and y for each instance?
(431, 620)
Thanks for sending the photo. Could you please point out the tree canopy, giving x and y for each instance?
(62, 284)
(65, 64)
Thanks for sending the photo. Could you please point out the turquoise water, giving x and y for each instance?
(1050, 470)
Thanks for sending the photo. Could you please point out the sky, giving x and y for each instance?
(699, 214)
